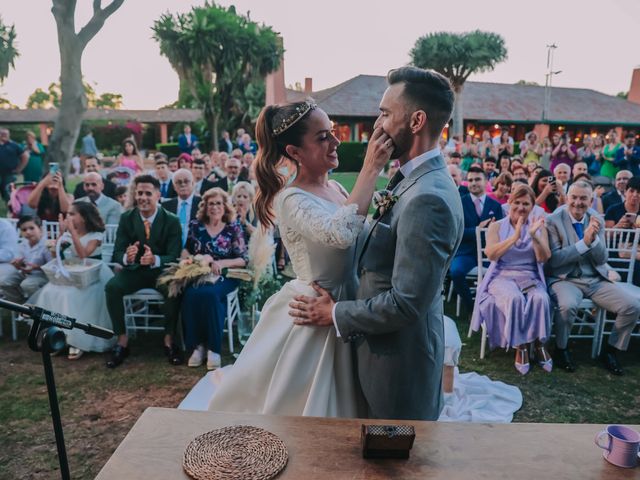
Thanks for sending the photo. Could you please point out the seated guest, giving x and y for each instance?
(185, 160)
(93, 164)
(479, 211)
(233, 172)
(577, 269)
(502, 187)
(174, 164)
(215, 233)
(579, 168)
(562, 173)
(22, 277)
(8, 246)
(122, 196)
(109, 209)
(596, 204)
(504, 163)
(185, 205)
(82, 232)
(547, 191)
(489, 167)
(163, 174)
(49, 197)
(616, 194)
(148, 238)
(247, 145)
(456, 175)
(201, 184)
(519, 173)
(625, 215)
(512, 300)
(242, 198)
(225, 144)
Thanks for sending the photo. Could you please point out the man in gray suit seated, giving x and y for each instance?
(110, 210)
(396, 324)
(577, 269)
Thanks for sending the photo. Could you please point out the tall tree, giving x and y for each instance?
(457, 56)
(51, 97)
(8, 49)
(217, 54)
(73, 101)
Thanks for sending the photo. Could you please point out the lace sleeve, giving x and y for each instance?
(304, 214)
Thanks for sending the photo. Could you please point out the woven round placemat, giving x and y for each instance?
(238, 452)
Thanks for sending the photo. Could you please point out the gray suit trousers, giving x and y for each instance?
(567, 295)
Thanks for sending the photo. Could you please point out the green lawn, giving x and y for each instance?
(99, 406)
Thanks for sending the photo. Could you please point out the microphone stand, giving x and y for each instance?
(46, 337)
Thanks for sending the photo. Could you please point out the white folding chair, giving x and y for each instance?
(140, 306)
(483, 263)
(51, 230)
(14, 222)
(622, 247)
(233, 312)
(108, 242)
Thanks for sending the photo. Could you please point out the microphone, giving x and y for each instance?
(56, 319)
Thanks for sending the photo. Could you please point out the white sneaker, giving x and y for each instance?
(213, 360)
(197, 357)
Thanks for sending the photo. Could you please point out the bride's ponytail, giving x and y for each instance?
(277, 127)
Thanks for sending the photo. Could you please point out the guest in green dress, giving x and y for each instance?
(33, 171)
(609, 154)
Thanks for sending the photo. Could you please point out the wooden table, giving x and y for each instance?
(322, 448)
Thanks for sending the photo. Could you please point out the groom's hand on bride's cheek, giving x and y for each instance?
(312, 310)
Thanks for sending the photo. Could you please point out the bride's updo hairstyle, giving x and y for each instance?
(277, 127)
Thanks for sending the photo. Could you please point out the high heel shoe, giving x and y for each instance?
(522, 366)
(544, 359)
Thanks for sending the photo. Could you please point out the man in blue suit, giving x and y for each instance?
(479, 211)
(187, 141)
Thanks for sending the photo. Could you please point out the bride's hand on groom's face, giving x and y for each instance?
(313, 310)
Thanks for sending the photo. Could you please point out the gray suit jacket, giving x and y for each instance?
(564, 254)
(110, 210)
(397, 323)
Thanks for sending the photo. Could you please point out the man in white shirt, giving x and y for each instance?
(109, 209)
(185, 205)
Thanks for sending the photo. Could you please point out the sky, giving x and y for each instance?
(334, 40)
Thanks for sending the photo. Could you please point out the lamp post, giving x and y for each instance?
(548, 81)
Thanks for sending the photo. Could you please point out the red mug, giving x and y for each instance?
(620, 445)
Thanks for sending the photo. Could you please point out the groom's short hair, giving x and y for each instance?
(426, 90)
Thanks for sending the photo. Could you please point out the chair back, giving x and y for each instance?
(108, 242)
(622, 246)
(51, 230)
(481, 243)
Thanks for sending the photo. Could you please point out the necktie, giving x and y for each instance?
(230, 185)
(182, 214)
(147, 229)
(395, 180)
(579, 228)
(163, 189)
(478, 204)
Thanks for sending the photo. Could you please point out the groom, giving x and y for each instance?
(396, 325)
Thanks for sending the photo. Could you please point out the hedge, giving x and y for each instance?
(351, 156)
(169, 149)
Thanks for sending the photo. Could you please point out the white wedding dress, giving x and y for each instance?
(286, 369)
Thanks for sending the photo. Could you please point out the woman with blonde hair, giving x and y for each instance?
(287, 369)
(216, 234)
(242, 197)
(512, 300)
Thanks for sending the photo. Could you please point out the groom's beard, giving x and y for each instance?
(402, 143)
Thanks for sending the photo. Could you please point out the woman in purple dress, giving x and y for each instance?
(512, 300)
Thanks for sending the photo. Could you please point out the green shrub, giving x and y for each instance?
(351, 156)
(169, 149)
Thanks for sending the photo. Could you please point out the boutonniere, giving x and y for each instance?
(383, 201)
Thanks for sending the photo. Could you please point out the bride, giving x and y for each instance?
(286, 369)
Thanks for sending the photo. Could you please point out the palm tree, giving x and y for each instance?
(8, 50)
(457, 56)
(217, 55)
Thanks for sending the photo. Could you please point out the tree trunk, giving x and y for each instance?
(458, 120)
(211, 120)
(73, 105)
